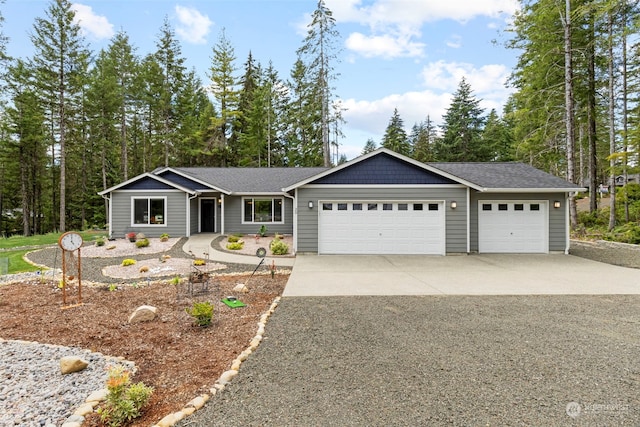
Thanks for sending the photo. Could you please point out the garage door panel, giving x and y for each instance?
(512, 227)
(381, 228)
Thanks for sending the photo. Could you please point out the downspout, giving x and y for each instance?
(468, 220)
(294, 200)
(567, 222)
(189, 199)
(108, 199)
(222, 213)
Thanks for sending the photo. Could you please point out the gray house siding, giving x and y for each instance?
(455, 219)
(557, 218)
(175, 223)
(194, 208)
(233, 217)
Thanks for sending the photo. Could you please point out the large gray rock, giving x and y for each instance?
(70, 364)
(144, 313)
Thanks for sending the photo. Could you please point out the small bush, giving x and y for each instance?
(263, 230)
(202, 313)
(100, 241)
(627, 233)
(175, 281)
(233, 239)
(236, 246)
(127, 262)
(278, 247)
(143, 243)
(199, 261)
(124, 399)
(131, 236)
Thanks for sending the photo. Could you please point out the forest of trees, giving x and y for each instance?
(74, 121)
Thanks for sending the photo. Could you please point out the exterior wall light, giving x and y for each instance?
(310, 204)
(454, 204)
(556, 204)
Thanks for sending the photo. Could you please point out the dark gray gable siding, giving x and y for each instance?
(147, 184)
(184, 182)
(383, 169)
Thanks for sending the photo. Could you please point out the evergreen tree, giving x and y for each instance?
(462, 129)
(369, 146)
(422, 138)
(321, 51)
(395, 138)
(497, 137)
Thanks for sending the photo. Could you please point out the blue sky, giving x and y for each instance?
(404, 54)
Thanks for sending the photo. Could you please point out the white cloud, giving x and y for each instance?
(486, 81)
(92, 25)
(395, 25)
(192, 26)
(455, 41)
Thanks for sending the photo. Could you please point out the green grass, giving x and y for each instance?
(13, 248)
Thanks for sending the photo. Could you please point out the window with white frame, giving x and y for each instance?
(262, 210)
(149, 210)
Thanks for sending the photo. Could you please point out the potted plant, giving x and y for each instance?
(131, 236)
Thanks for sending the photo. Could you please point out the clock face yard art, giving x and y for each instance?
(70, 244)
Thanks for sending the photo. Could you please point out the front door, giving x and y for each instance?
(207, 215)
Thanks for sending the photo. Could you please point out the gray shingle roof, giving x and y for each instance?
(504, 175)
(251, 180)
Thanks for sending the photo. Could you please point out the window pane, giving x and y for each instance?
(387, 207)
(357, 206)
(534, 207)
(327, 206)
(262, 210)
(433, 206)
(402, 206)
(372, 206)
(518, 207)
(486, 206)
(342, 206)
(417, 207)
(248, 210)
(502, 207)
(141, 211)
(157, 211)
(277, 210)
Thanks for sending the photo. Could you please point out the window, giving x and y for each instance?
(417, 207)
(372, 206)
(387, 206)
(503, 207)
(534, 207)
(433, 206)
(327, 206)
(342, 206)
(518, 207)
(403, 206)
(149, 211)
(262, 210)
(486, 206)
(357, 206)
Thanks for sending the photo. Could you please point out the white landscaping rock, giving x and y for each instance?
(144, 313)
(71, 364)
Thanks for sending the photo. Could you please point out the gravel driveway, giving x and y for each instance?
(442, 360)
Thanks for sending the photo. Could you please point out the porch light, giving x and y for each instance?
(454, 204)
(556, 204)
(310, 204)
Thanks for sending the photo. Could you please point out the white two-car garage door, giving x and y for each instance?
(513, 227)
(381, 227)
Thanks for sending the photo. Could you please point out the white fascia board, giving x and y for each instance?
(192, 178)
(151, 176)
(375, 153)
(532, 190)
(388, 186)
(257, 193)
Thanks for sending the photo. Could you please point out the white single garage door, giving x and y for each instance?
(513, 226)
(381, 227)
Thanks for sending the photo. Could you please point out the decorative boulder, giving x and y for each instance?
(241, 287)
(70, 364)
(144, 313)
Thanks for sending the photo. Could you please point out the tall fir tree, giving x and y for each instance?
(395, 138)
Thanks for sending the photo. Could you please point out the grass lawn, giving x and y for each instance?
(13, 249)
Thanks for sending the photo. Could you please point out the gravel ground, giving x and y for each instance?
(495, 360)
(374, 361)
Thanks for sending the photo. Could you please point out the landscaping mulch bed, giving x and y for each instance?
(180, 360)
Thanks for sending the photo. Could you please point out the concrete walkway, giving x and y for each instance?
(200, 245)
(508, 274)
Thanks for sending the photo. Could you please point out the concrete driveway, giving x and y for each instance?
(486, 274)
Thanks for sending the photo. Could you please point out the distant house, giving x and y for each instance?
(379, 203)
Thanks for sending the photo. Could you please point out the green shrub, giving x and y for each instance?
(202, 312)
(627, 233)
(233, 239)
(236, 246)
(124, 399)
(143, 243)
(278, 247)
(127, 262)
(263, 230)
(100, 241)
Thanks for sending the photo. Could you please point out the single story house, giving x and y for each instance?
(378, 203)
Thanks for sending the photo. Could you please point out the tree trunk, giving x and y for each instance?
(612, 129)
(569, 113)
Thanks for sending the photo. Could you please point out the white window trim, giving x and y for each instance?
(273, 199)
(132, 213)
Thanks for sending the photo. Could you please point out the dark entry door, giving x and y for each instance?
(207, 215)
